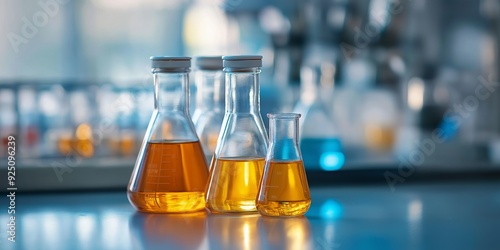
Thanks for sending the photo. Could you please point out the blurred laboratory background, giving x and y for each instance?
(382, 85)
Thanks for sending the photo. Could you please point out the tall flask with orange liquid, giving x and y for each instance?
(284, 190)
(170, 172)
(239, 157)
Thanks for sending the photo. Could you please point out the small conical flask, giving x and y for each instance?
(170, 172)
(210, 101)
(319, 138)
(239, 157)
(283, 190)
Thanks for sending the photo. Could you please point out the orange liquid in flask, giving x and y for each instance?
(172, 178)
(235, 184)
(286, 192)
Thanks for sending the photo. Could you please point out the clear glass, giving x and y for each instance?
(170, 172)
(284, 190)
(238, 162)
(319, 138)
(209, 112)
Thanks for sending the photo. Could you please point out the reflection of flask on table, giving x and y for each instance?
(170, 172)
(234, 232)
(177, 231)
(284, 190)
(319, 140)
(209, 111)
(286, 233)
(241, 148)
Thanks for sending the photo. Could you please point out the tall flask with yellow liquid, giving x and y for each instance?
(239, 157)
(284, 190)
(170, 173)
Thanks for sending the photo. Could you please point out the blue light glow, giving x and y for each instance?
(331, 161)
(331, 209)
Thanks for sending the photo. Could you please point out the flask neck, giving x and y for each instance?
(310, 84)
(210, 95)
(171, 92)
(284, 136)
(242, 92)
(283, 129)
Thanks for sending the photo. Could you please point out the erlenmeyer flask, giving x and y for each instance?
(319, 139)
(239, 157)
(209, 112)
(284, 190)
(170, 172)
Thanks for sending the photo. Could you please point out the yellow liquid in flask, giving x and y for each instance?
(172, 178)
(285, 190)
(235, 184)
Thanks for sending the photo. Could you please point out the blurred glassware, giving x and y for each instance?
(357, 78)
(145, 108)
(9, 117)
(108, 106)
(319, 138)
(54, 122)
(380, 119)
(118, 118)
(82, 104)
(29, 132)
(125, 140)
(210, 102)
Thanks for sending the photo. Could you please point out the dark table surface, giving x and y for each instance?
(456, 215)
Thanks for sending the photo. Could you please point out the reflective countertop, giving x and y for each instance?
(455, 215)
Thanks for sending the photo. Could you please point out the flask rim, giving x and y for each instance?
(240, 62)
(284, 115)
(170, 63)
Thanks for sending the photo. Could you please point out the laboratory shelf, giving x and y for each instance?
(39, 175)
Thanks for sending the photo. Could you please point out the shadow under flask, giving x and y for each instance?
(170, 172)
(239, 157)
(210, 94)
(284, 190)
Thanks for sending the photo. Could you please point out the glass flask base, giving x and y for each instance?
(167, 202)
(235, 184)
(242, 206)
(284, 190)
(284, 208)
